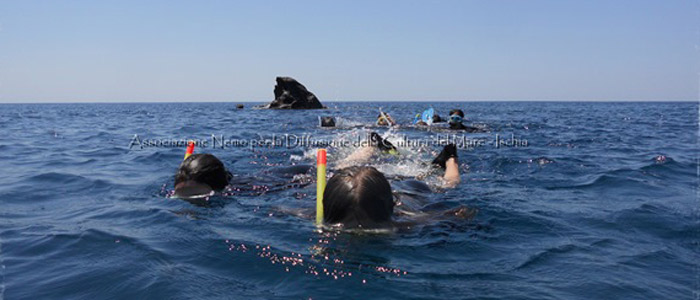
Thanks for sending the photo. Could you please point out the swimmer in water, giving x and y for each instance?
(384, 119)
(455, 121)
(377, 145)
(362, 197)
(437, 118)
(201, 174)
(419, 121)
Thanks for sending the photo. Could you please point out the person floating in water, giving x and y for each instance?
(384, 119)
(204, 175)
(456, 118)
(377, 145)
(418, 121)
(355, 197)
(201, 174)
(428, 117)
(361, 197)
(455, 121)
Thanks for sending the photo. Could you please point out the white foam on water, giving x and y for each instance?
(412, 161)
(346, 123)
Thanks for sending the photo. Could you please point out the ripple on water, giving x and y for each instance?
(581, 212)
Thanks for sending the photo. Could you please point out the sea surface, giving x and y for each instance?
(574, 200)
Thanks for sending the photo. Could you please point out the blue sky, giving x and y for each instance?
(95, 51)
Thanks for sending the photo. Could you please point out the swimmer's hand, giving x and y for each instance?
(455, 214)
(448, 152)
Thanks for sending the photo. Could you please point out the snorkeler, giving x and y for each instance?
(384, 119)
(200, 174)
(382, 144)
(427, 118)
(455, 119)
(358, 197)
(203, 175)
(376, 144)
(361, 196)
(420, 122)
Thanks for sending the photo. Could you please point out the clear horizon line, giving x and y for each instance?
(336, 101)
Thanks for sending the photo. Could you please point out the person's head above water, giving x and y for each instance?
(458, 112)
(437, 118)
(200, 174)
(384, 119)
(456, 118)
(358, 197)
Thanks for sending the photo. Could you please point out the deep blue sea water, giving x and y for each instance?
(601, 203)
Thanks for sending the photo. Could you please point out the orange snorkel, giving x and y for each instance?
(190, 149)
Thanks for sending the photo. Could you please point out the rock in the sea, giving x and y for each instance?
(239, 106)
(290, 94)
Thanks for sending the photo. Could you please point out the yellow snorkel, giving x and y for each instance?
(320, 184)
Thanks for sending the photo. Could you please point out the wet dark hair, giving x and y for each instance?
(358, 197)
(203, 168)
(459, 112)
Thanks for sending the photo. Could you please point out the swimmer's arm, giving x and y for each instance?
(360, 155)
(459, 213)
(451, 178)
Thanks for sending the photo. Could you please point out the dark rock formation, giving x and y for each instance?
(239, 106)
(290, 94)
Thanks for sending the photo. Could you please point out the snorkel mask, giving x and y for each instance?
(455, 119)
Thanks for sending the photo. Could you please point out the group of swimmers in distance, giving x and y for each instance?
(454, 121)
(355, 197)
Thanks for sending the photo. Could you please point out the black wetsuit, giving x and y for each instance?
(460, 126)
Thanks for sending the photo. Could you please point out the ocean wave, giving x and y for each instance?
(582, 211)
(544, 255)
